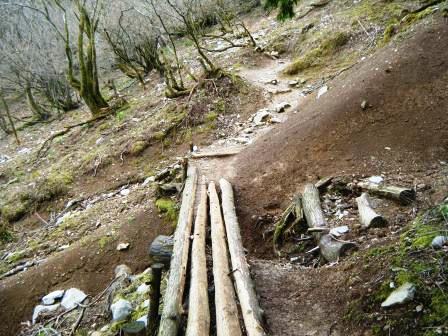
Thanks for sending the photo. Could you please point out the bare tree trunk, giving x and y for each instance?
(199, 312)
(250, 308)
(227, 321)
(8, 115)
(172, 309)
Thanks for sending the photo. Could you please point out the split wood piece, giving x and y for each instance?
(368, 217)
(224, 153)
(172, 308)
(330, 248)
(291, 217)
(227, 321)
(250, 308)
(199, 312)
(404, 195)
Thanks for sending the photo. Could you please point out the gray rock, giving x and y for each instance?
(72, 297)
(261, 116)
(161, 249)
(293, 83)
(364, 104)
(143, 319)
(121, 310)
(439, 241)
(323, 90)
(51, 298)
(123, 246)
(402, 294)
(281, 107)
(125, 192)
(43, 309)
(122, 270)
(376, 179)
(143, 289)
(340, 230)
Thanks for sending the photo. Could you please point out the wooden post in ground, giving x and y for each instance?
(172, 307)
(154, 300)
(330, 249)
(199, 312)
(250, 308)
(367, 216)
(227, 321)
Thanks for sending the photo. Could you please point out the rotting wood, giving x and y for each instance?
(367, 216)
(404, 195)
(250, 308)
(227, 321)
(330, 249)
(199, 312)
(172, 308)
(291, 218)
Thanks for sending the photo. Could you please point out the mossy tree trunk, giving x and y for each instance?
(8, 115)
(38, 111)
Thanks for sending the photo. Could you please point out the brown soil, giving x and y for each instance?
(84, 266)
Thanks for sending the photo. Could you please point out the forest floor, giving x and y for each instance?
(399, 135)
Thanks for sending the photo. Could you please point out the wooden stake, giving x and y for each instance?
(154, 300)
(227, 321)
(199, 312)
(250, 308)
(330, 248)
(367, 216)
(172, 308)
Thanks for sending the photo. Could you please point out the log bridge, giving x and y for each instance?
(232, 280)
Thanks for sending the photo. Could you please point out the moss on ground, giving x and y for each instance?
(169, 209)
(411, 260)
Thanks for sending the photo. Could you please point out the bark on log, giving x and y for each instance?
(172, 308)
(154, 302)
(330, 248)
(227, 321)
(367, 216)
(199, 312)
(404, 195)
(250, 308)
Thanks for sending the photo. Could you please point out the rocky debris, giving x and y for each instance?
(40, 309)
(364, 105)
(161, 249)
(376, 179)
(339, 231)
(72, 298)
(281, 107)
(123, 246)
(401, 295)
(122, 270)
(121, 310)
(4, 158)
(439, 241)
(125, 192)
(148, 180)
(143, 289)
(52, 297)
(323, 90)
(293, 83)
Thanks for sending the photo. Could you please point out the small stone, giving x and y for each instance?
(340, 230)
(293, 83)
(294, 259)
(419, 308)
(121, 310)
(364, 105)
(281, 107)
(376, 179)
(99, 141)
(275, 121)
(51, 298)
(43, 309)
(122, 270)
(143, 289)
(323, 90)
(402, 294)
(125, 192)
(148, 180)
(143, 319)
(261, 116)
(273, 82)
(145, 304)
(439, 241)
(72, 297)
(123, 246)
(423, 187)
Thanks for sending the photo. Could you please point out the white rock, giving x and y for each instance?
(143, 319)
(121, 310)
(340, 230)
(143, 289)
(323, 90)
(439, 241)
(24, 150)
(281, 107)
(401, 295)
(43, 309)
(195, 149)
(72, 297)
(50, 298)
(122, 246)
(376, 179)
(261, 116)
(4, 158)
(125, 192)
(99, 141)
(148, 180)
(122, 270)
(145, 304)
(275, 121)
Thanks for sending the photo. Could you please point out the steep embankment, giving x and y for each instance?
(403, 128)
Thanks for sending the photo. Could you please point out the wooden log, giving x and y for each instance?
(367, 216)
(227, 321)
(134, 329)
(222, 153)
(404, 195)
(199, 312)
(330, 248)
(154, 300)
(172, 308)
(250, 308)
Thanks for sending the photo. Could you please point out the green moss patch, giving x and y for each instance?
(169, 209)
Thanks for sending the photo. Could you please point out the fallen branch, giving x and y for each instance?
(228, 152)
(368, 217)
